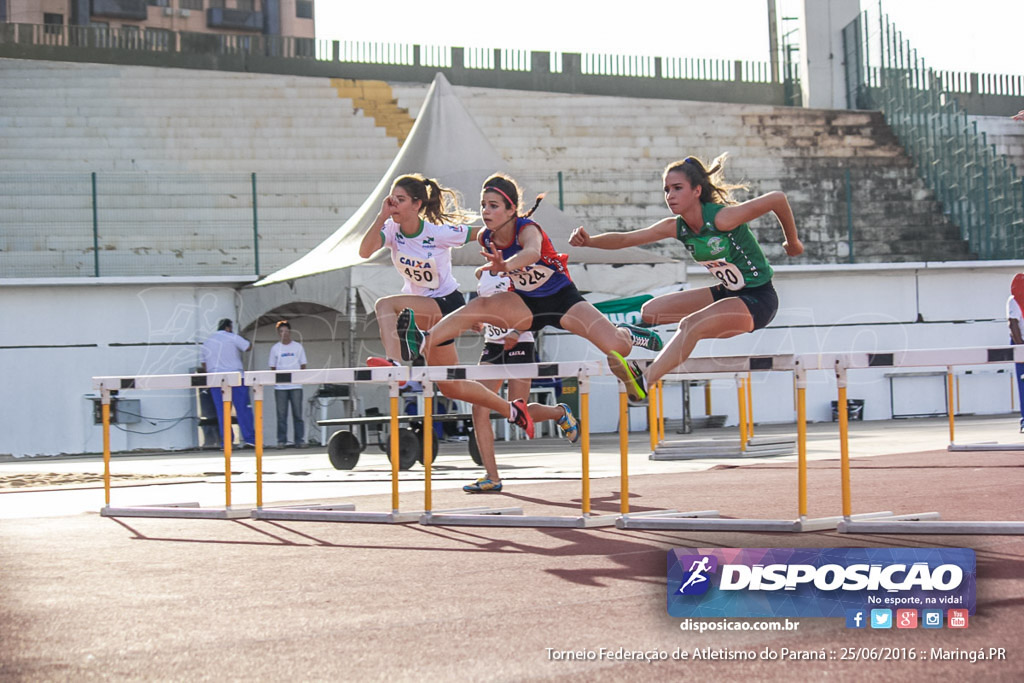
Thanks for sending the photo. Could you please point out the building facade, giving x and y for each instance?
(292, 18)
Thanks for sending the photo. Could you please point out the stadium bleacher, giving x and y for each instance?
(179, 154)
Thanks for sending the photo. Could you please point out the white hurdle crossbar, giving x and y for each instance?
(108, 386)
(709, 519)
(928, 522)
(332, 512)
(514, 517)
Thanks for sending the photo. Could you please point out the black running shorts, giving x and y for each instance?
(548, 310)
(449, 303)
(496, 354)
(761, 301)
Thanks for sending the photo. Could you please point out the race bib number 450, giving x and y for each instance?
(420, 272)
(530, 278)
(728, 274)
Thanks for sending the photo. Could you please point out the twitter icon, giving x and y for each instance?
(881, 618)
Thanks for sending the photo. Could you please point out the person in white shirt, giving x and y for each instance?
(222, 352)
(1014, 317)
(287, 355)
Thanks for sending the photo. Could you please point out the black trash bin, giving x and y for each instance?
(854, 409)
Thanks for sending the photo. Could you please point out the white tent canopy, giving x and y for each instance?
(446, 144)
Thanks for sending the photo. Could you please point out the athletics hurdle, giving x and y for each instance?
(921, 523)
(709, 519)
(513, 517)
(972, 447)
(335, 512)
(111, 385)
(691, 447)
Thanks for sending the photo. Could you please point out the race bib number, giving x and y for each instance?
(530, 278)
(420, 272)
(494, 334)
(728, 274)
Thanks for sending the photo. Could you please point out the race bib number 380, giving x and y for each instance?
(726, 273)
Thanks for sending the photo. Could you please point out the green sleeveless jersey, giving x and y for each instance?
(733, 256)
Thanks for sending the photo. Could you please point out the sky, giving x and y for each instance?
(986, 38)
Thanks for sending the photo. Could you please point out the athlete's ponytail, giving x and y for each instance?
(440, 204)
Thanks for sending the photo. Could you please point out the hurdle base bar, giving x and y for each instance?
(961, 447)
(333, 513)
(709, 520)
(933, 527)
(694, 449)
(257, 512)
(464, 516)
(928, 523)
(179, 510)
(517, 519)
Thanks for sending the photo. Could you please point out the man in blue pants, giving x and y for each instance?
(1013, 315)
(222, 352)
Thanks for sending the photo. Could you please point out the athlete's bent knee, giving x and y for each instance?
(454, 390)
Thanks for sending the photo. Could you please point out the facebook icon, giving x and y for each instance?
(856, 618)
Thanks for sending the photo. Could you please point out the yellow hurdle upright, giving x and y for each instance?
(108, 386)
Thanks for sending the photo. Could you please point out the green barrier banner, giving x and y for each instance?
(626, 310)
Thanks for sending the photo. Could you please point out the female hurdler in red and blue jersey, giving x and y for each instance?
(547, 276)
(543, 293)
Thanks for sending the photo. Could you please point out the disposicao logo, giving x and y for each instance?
(697, 581)
(818, 582)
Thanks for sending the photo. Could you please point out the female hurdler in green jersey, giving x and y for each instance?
(714, 230)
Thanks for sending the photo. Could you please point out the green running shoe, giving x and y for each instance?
(643, 337)
(409, 336)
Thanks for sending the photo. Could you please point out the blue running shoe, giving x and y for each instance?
(567, 423)
(483, 485)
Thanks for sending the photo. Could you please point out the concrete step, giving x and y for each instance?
(340, 166)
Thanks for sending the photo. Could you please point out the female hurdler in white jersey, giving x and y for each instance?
(420, 222)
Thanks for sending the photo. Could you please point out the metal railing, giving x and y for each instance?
(168, 224)
(978, 188)
(391, 54)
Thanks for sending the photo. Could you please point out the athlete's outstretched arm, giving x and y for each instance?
(531, 242)
(619, 240)
(731, 217)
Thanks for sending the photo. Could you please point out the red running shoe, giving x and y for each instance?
(379, 362)
(521, 417)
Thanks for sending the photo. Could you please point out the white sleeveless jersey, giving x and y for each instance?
(424, 260)
(492, 284)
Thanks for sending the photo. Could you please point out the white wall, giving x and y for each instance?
(59, 334)
(822, 77)
(847, 308)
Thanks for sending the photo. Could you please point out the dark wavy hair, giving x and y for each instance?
(440, 203)
(511, 193)
(713, 187)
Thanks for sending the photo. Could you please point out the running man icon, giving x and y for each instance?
(697, 570)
